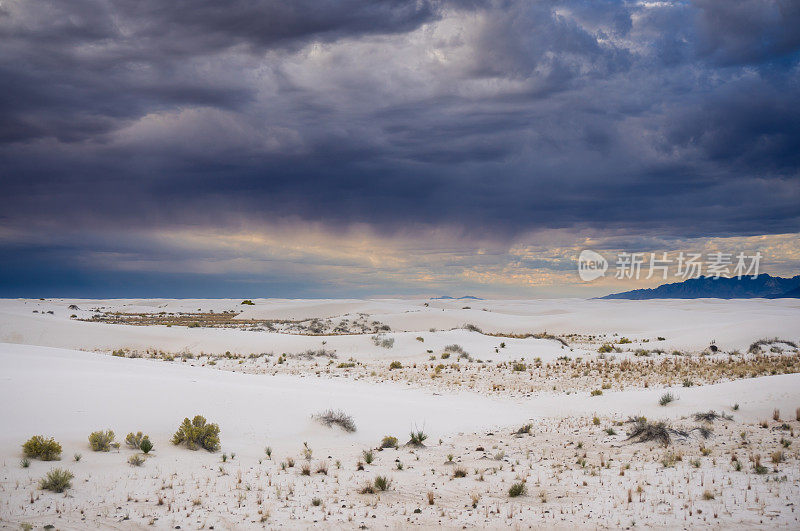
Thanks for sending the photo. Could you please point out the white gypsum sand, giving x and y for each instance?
(576, 465)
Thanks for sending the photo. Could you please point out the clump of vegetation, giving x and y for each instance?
(57, 480)
(519, 367)
(666, 398)
(248, 302)
(460, 472)
(525, 428)
(135, 440)
(382, 482)
(517, 489)
(197, 433)
(381, 341)
(136, 460)
(597, 392)
(755, 347)
(395, 365)
(417, 438)
(369, 456)
(605, 348)
(145, 446)
(710, 416)
(337, 418)
(644, 431)
(389, 442)
(102, 441)
(41, 448)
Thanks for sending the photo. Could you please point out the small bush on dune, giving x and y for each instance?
(57, 480)
(417, 438)
(395, 365)
(337, 418)
(248, 302)
(517, 489)
(382, 483)
(666, 398)
(389, 442)
(197, 433)
(146, 445)
(102, 441)
(41, 448)
(136, 460)
(135, 440)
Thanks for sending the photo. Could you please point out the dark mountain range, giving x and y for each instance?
(763, 286)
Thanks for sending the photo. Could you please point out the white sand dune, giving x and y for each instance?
(51, 383)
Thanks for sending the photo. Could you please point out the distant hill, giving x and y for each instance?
(763, 286)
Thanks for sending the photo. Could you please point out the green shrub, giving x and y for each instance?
(389, 442)
(417, 438)
(146, 445)
(395, 365)
(369, 456)
(102, 441)
(666, 398)
(57, 480)
(197, 433)
(517, 489)
(382, 482)
(248, 302)
(136, 440)
(136, 460)
(605, 348)
(41, 448)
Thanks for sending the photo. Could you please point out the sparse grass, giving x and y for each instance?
(25, 462)
(644, 431)
(57, 480)
(337, 418)
(776, 415)
(666, 398)
(136, 460)
(369, 456)
(459, 473)
(382, 483)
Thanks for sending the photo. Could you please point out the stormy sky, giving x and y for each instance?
(316, 148)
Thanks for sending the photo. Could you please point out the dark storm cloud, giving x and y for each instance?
(496, 117)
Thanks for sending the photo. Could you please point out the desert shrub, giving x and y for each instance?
(519, 367)
(41, 448)
(316, 502)
(197, 433)
(382, 483)
(460, 472)
(136, 460)
(337, 418)
(417, 438)
(666, 398)
(248, 302)
(57, 480)
(135, 440)
(517, 489)
(644, 431)
(369, 456)
(605, 348)
(381, 341)
(25, 462)
(525, 428)
(145, 446)
(395, 365)
(389, 442)
(597, 392)
(101, 441)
